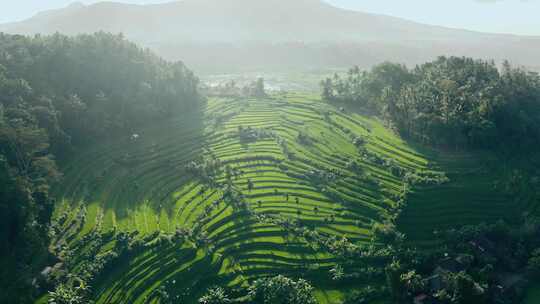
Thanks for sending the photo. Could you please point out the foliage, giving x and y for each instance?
(250, 134)
(426, 178)
(458, 102)
(255, 89)
(281, 289)
(66, 294)
(58, 93)
(90, 85)
(534, 262)
(215, 295)
(232, 89)
(365, 295)
(478, 264)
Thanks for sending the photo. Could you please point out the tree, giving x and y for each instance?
(533, 264)
(412, 281)
(259, 88)
(337, 272)
(467, 290)
(394, 271)
(66, 294)
(281, 290)
(452, 101)
(57, 94)
(255, 89)
(215, 295)
(250, 185)
(327, 89)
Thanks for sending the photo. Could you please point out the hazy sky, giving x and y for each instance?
(505, 16)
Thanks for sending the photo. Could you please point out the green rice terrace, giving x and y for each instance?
(259, 187)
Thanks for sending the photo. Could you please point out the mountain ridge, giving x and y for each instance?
(204, 24)
(226, 9)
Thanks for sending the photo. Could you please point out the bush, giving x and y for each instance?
(281, 290)
(215, 295)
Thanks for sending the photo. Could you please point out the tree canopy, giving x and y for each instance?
(452, 101)
(280, 289)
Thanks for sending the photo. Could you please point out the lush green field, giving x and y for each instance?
(297, 168)
(143, 185)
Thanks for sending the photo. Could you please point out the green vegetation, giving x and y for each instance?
(452, 102)
(281, 290)
(121, 184)
(459, 105)
(477, 264)
(279, 185)
(58, 94)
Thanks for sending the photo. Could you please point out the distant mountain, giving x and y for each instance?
(220, 35)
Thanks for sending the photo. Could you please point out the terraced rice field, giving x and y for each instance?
(199, 175)
(473, 195)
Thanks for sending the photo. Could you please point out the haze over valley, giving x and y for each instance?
(214, 36)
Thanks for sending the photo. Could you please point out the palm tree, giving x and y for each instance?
(250, 185)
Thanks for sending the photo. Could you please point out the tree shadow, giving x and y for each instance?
(147, 167)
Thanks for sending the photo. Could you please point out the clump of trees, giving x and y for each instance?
(305, 139)
(365, 295)
(271, 290)
(249, 134)
(255, 88)
(321, 177)
(478, 264)
(425, 178)
(215, 295)
(58, 93)
(91, 85)
(231, 88)
(452, 101)
(281, 290)
(204, 169)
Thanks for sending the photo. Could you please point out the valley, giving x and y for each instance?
(252, 190)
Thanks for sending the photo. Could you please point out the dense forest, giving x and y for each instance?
(59, 93)
(454, 102)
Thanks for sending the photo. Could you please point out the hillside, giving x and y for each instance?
(212, 35)
(280, 185)
(229, 232)
(278, 177)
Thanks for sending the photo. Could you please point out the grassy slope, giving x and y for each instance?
(474, 194)
(142, 185)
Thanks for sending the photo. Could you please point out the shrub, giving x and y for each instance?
(281, 290)
(215, 295)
